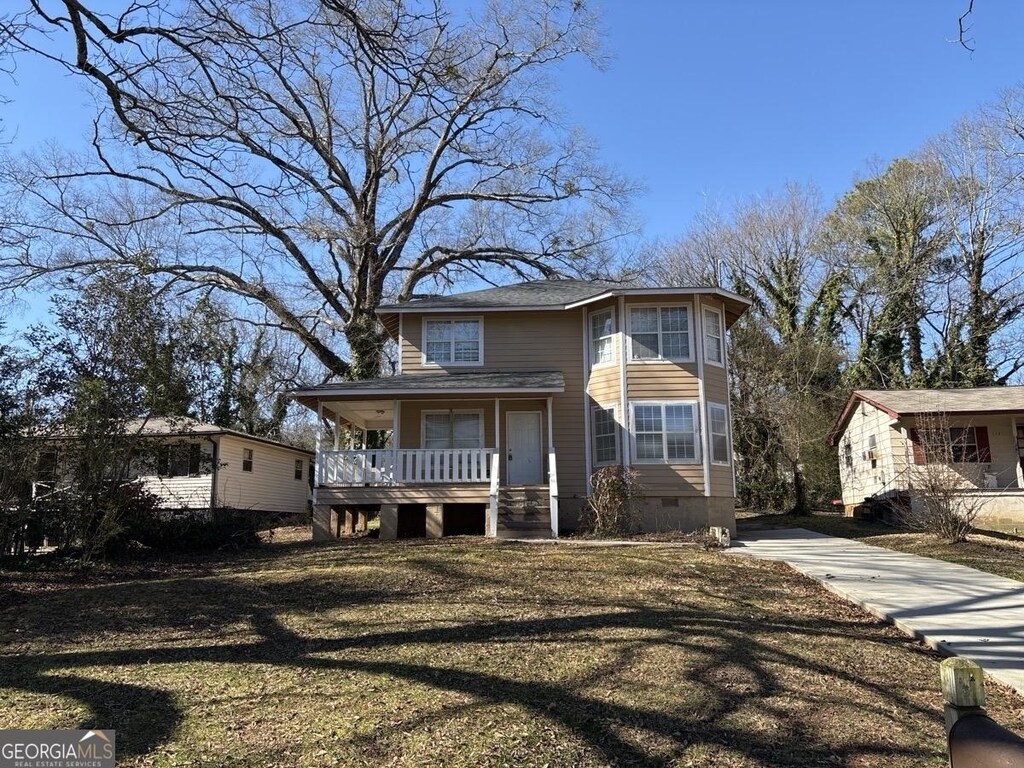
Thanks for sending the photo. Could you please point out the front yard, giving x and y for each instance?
(465, 653)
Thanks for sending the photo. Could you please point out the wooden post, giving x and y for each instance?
(963, 689)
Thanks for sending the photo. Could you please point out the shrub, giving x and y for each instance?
(613, 507)
(201, 529)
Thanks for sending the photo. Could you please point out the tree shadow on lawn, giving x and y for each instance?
(736, 664)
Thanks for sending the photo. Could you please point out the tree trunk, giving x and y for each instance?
(800, 505)
(366, 344)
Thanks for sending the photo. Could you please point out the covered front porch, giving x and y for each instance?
(464, 453)
(982, 456)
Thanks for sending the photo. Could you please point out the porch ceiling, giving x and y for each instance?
(372, 395)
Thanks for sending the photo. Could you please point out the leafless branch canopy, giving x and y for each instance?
(316, 156)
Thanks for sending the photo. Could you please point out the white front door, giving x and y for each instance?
(523, 448)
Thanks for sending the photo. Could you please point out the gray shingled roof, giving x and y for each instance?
(548, 381)
(979, 400)
(536, 293)
(186, 426)
(907, 402)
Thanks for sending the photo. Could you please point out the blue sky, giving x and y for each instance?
(728, 98)
(705, 102)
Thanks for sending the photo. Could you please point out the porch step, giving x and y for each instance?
(524, 512)
(524, 530)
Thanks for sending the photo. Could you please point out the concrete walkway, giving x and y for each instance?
(954, 609)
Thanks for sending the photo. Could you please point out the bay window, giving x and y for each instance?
(660, 333)
(718, 423)
(714, 337)
(602, 337)
(605, 436)
(666, 432)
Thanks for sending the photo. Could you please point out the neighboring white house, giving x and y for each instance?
(202, 466)
(881, 450)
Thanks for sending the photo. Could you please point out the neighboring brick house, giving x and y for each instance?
(881, 448)
(507, 399)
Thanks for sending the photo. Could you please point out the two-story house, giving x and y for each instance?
(507, 399)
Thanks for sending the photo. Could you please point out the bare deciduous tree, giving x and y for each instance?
(315, 157)
(943, 504)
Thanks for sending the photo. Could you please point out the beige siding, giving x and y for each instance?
(862, 480)
(671, 479)
(720, 480)
(603, 385)
(271, 486)
(191, 492)
(556, 340)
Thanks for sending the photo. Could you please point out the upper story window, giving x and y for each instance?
(247, 459)
(453, 429)
(453, 342)
(714, 337)
(299, 469)
(602, 337)
(666, 432)
(660, 333)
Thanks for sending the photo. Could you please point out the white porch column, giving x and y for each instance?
(319, 462)
(395, 422)
(551, 433)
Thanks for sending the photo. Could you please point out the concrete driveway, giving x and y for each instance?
(954, 609)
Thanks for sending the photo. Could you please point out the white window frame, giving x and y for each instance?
(706, 336)
(712, 435)
(686, 305)
(594, 362)
(450, 412)
(478, 319)
(697, 426)
(251, 459)
(593, 436)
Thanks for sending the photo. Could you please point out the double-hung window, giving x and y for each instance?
(666, 432)
(718, 423)
(660, 333)
(606, 436)
(453, 429)
(714, 337)
(602, 337)
(453, 342)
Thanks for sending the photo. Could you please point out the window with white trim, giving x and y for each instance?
(718, 427)
(660, 333)
(714, 337)
(453, 342)
(605, 435)
(666, 432)
(247, 456)
(602, 337)
(453, 429)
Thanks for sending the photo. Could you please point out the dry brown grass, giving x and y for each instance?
(466, 653)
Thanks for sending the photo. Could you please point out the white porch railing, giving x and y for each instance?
(390, 466)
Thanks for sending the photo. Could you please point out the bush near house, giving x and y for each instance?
(613, 507)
